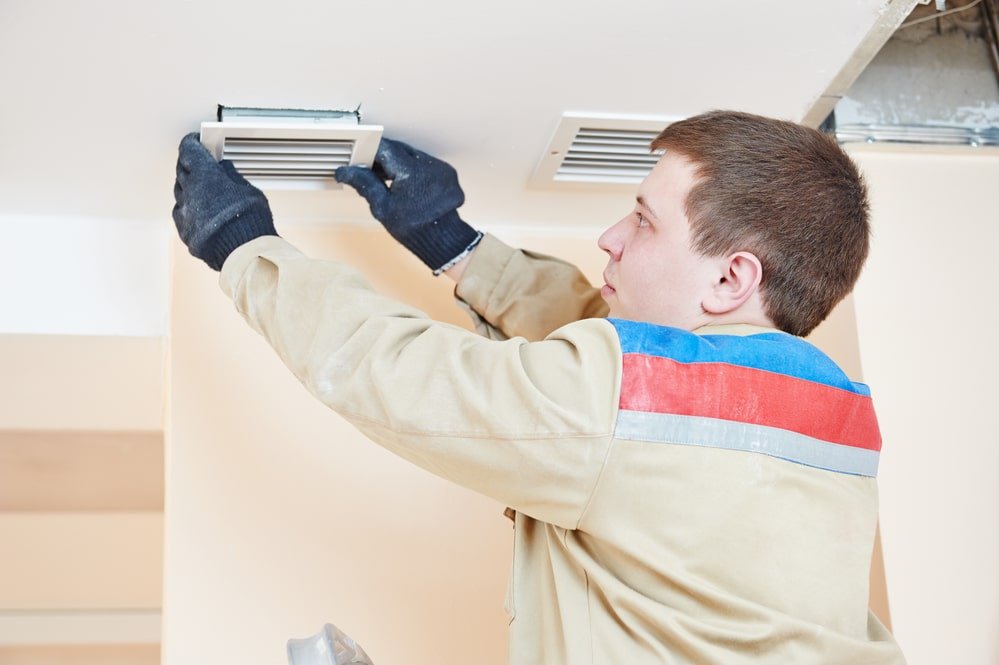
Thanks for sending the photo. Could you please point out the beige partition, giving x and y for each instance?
(280, 516)
(926, 315)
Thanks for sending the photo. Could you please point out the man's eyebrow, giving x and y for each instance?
(642, 202)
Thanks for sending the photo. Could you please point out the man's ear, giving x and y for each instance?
(739, 279)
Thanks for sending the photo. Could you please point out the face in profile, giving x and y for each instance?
(652, 274)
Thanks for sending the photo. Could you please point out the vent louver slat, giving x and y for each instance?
(609, 167)
(608, 155)
(284, 169)
(610, 149)
(607, 158)
(313, 146)
(617, 135)
(294, 159)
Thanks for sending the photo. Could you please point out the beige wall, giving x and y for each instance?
(280, 516)
(926, 315)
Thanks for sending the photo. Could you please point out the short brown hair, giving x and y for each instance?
(786, 193)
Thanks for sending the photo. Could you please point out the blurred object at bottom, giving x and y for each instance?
(330, 646)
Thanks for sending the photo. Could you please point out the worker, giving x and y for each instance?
(690, 481)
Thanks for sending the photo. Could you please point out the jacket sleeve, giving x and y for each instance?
(512, 292)
(528, 424)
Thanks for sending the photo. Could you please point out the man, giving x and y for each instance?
(691, 482)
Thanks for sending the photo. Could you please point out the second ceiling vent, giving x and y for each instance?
(601, 149)
(290, 149)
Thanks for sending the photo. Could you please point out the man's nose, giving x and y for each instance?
(611, 241)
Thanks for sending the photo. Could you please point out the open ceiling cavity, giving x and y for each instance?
(936, 81)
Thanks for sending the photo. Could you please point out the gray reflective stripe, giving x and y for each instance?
(731, 435)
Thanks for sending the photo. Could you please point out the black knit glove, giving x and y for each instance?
(217, 209)
(420, 207)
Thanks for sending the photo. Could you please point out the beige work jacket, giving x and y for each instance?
(628, 550)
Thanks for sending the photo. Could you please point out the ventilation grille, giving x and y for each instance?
(608, 155)
(600, 149)
(288, 158)
(298, 150)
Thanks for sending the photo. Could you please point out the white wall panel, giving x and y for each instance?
(81, 276)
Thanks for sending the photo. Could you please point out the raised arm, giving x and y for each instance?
(527, 423)
(508, 292)
(511, 292)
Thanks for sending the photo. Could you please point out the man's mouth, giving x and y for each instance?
(607, 289)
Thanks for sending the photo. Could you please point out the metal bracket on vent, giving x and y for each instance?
(599, 149)
(290, 148)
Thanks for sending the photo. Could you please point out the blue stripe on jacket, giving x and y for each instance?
(779, 352)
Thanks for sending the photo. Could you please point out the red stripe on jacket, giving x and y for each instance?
(748, 395)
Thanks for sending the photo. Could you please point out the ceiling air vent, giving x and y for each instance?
(290, 149)
(603, 149)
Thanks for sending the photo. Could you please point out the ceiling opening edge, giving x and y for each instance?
(890, 18)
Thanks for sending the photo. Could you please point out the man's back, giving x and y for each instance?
(706, 540)
(632, 545)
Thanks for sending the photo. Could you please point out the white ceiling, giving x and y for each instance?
(97, 95)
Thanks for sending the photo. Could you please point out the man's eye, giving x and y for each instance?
(641, 219)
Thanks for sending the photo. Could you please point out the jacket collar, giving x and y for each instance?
(740, 329)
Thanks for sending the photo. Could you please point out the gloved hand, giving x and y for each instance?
(420, 208)
(217, 209)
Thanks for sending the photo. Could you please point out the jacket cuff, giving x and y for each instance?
(240, 259)
(442, 241)
(483, 273)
